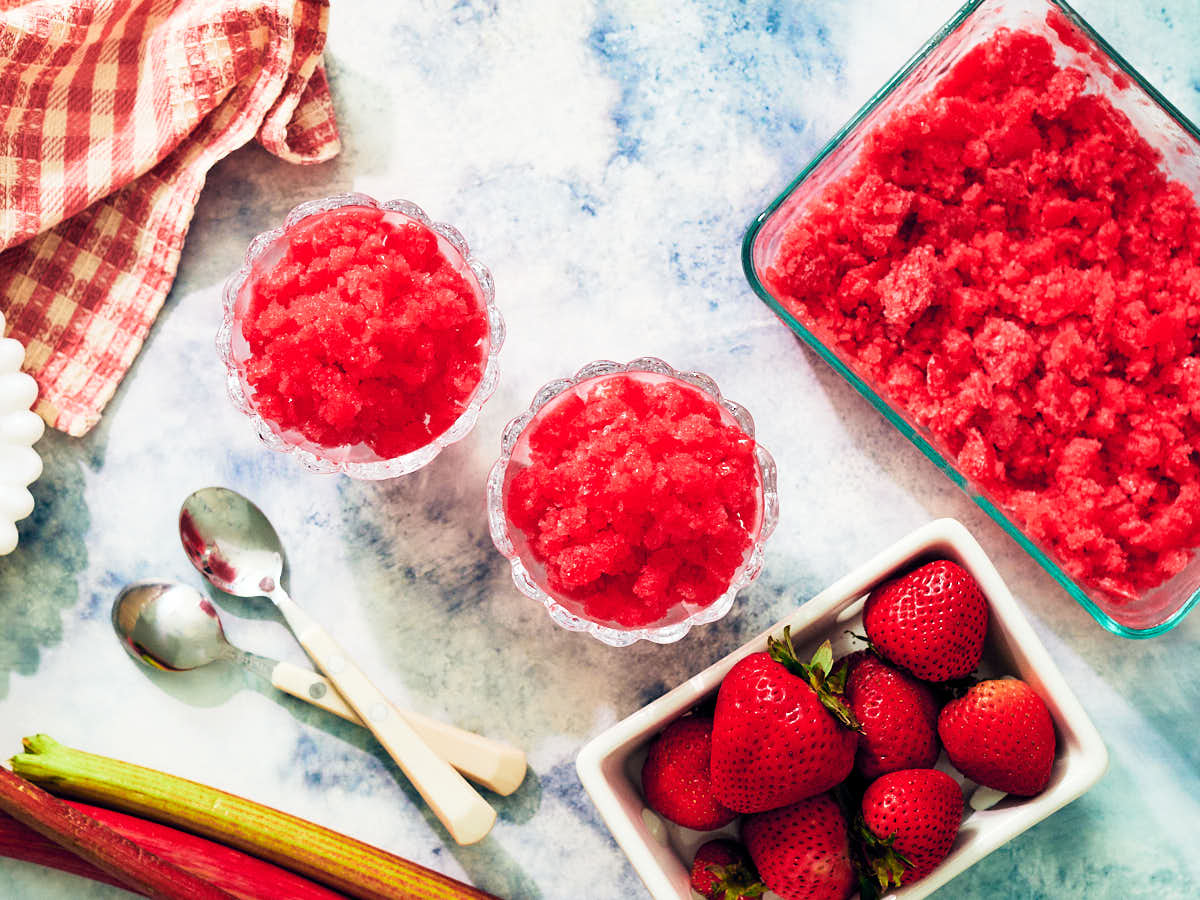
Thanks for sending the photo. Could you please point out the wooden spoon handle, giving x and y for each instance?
(497, 766)
(466, 815)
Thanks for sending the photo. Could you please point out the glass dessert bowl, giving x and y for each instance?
(996, 252)
(360, 336)
(632, 501)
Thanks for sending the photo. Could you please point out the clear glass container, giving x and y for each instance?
(355, 461)
(1165, 128)
(529, 575)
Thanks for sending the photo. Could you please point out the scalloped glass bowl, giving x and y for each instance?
(529, 576)
(355, 461)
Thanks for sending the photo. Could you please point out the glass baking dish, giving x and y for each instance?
(1156, 610)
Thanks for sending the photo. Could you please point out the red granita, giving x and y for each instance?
(363, 330)
(1008, 263)
(639, 495)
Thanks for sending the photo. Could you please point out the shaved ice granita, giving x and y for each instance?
(361, 336)
(1008, 262)
(633, 501)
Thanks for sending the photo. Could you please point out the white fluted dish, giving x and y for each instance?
(526, 573)
(20, 429)
(610, 765)
(358, 461)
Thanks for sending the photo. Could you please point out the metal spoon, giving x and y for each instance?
(173, 627)
(234, 545)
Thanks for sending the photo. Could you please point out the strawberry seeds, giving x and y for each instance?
(831, 762)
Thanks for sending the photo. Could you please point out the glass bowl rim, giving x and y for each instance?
(745, 574)
(1074, 590)
(375, 469)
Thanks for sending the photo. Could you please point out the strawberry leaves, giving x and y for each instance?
(735, 881)
(828, 683)
(775, 740)
(722, 870)
(880, 864)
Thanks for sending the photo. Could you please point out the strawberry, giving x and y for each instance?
(721, 870)
(1000, 734)
(781, 731)
(909, 820)
(931, 621)
(802, 851)
(898, 716)
(675, 777)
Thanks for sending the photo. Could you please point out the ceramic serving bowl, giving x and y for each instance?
(529, 575)
(610, 765)
(357, 461)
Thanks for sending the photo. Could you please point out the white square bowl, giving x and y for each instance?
(610, 765)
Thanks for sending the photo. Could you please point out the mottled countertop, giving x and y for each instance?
(604, 160)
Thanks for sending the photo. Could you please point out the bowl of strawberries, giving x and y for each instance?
(887, 735)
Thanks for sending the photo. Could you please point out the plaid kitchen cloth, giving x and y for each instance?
(111, 114)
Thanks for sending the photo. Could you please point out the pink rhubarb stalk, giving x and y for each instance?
(134, 866)
(335, 860)
(21, 842)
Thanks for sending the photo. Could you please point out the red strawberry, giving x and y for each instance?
(910, 818)
(1000, 734)
(898, 716)
(781, 731)
(721, 870)
(675, 777)
(931, 621)
(802, 851)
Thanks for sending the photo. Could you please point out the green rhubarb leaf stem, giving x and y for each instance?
(336, 860)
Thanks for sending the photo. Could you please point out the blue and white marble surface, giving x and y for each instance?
(604, 159)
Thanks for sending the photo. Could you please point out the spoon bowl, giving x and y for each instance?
(231, 542)
(168, 626)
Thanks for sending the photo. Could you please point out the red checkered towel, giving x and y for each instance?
(111, 114)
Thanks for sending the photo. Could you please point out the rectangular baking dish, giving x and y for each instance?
(1154, 611)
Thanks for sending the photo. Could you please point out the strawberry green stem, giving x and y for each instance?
(736, 881)
(340, 862)
(880, 864)
(828, 684)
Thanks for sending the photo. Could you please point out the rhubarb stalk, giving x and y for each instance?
(134, 866)
(246, 877)
(340, 862)
(21, 842)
